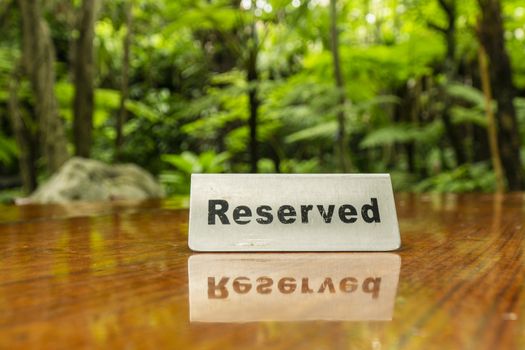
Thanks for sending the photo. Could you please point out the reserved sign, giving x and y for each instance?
(292, 287)
(292, 212)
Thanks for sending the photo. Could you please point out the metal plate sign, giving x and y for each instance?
(292, 212)
(292, 286)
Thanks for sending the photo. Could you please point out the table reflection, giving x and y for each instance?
(292, 287)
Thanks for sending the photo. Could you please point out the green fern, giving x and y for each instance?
(187, 163)
(402, 133)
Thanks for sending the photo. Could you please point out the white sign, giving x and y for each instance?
(292, 212)
(292, 287)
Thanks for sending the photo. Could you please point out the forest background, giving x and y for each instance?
(431, 91)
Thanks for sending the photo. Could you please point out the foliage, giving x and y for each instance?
(188, 105)
(475, 177)
(8, 150)
(187, 163)
(401, 133)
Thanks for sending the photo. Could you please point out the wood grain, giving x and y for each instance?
(116, 276)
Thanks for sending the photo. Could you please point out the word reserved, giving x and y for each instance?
(292, 286)
(287, 214)
(292, 212)
(242, 285)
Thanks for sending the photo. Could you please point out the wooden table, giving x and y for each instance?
(116, 276)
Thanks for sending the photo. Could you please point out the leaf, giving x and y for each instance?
(142, 110)
(466, 93)
(465, 178)
(401, 133)
(100, 116)
(327, 129)
(64, 92)
(212, 162)
(390, 135)
(462, 115)
(107, 98)
(186, 161)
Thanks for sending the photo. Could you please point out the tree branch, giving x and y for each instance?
(436, 27)
(448, 7)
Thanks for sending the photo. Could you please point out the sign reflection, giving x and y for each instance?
(292, 287)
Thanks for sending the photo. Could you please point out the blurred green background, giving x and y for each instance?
(431, 91)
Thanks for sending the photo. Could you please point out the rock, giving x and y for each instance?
(81, 179)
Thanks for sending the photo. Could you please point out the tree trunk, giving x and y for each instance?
(83, 72)
(252, 77)
(39, 59)
(341, 142)
(480, 144)
(5, 8)
(403, 112)
(24, 138)
(449, 33)
(491, 122)
(124, 88)
(490, 32)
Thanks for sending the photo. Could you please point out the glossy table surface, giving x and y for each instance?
(120, 275)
